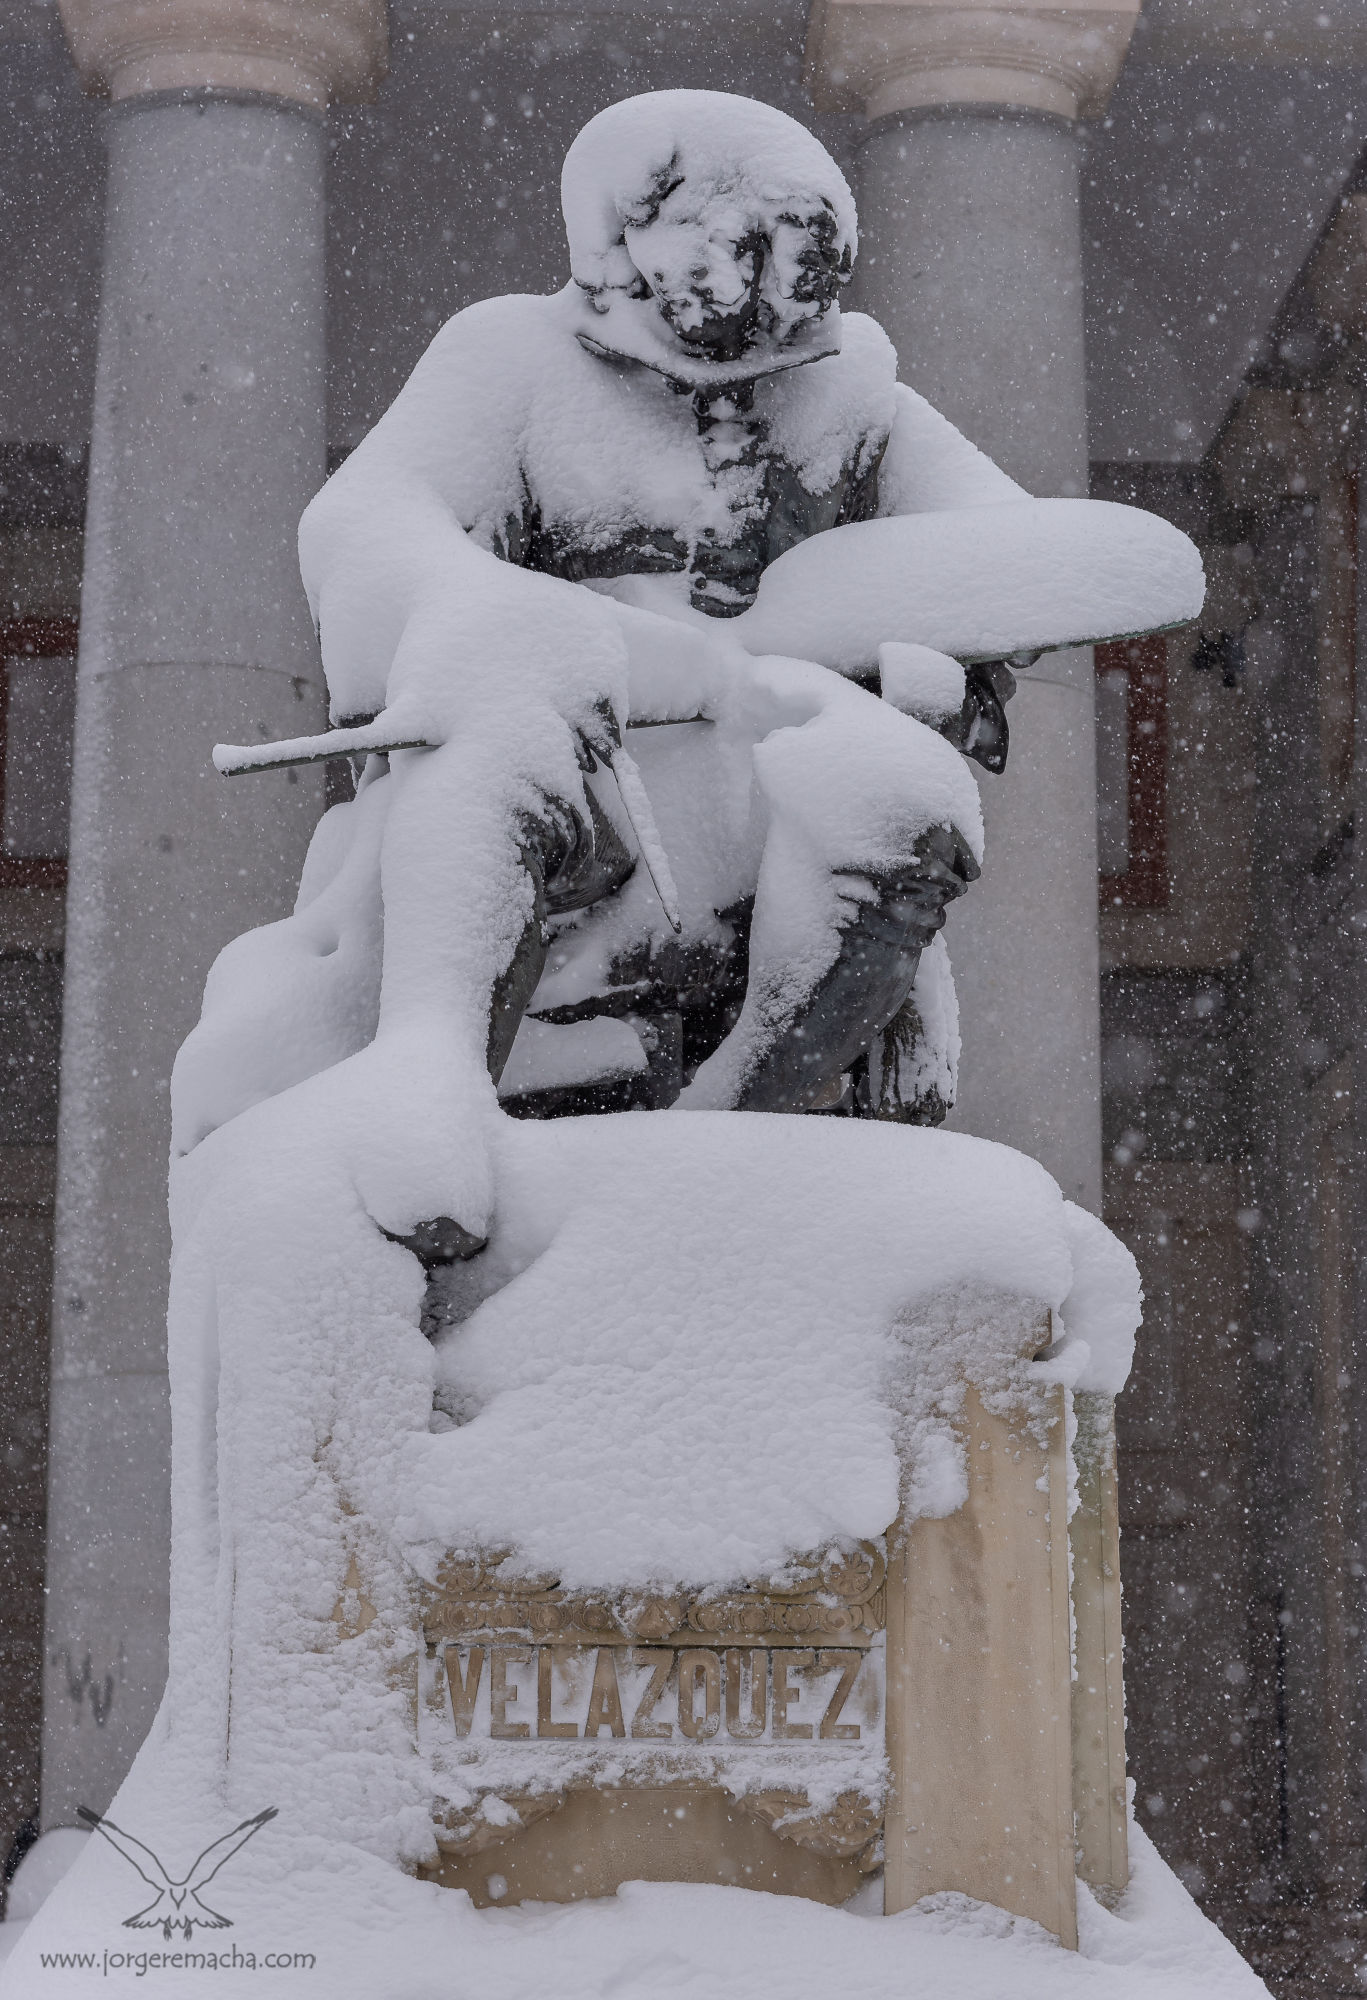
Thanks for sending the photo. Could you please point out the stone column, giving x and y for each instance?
(971, 258)
(208, 439)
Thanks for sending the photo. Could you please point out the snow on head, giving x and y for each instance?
(715, 217)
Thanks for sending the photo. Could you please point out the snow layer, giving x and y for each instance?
(978, 582)
(920, 681)
(549, 1056)
(710, 142)
(377, 1935)
(696, 1347)
(707, 1335)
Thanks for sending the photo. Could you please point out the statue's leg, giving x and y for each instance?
(515, 985)
(829, 1027)
(571, 862)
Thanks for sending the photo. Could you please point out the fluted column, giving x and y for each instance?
(208, 439)
(971, 257)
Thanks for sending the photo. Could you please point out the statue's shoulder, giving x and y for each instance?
(458, 419)
(832, 410)
(859, 379)
(509, 336)
(865, 346)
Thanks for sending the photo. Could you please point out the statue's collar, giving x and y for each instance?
(628, 336)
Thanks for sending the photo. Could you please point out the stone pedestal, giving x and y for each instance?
(750, 1726)
(1098, 1683)
(739, 1737)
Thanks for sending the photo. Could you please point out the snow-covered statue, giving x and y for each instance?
(684, 505)
(525, 1465)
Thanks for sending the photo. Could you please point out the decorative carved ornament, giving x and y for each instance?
(849, 1829)
(838, 1598)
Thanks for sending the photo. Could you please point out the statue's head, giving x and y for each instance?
(709, 234)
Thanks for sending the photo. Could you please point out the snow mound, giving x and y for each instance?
(376, 1935)
(704, 1335)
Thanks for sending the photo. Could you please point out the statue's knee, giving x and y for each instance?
(912, 899)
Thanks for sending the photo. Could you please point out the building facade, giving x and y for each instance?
(1126, 253)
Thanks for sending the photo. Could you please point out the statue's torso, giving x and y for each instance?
(623, 472)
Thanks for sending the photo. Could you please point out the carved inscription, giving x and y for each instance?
(679, 1694)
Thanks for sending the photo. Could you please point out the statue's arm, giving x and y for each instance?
(397, 551)
(929, 465)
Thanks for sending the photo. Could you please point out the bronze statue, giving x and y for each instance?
(675, 513)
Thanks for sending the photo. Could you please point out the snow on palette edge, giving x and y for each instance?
(976, 583)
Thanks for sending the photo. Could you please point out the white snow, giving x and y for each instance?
(550, 1055)
(707, 1336)
(920, 681)
(708, 141)
(1098, 1314)
(51, 1857)
(376, 1935)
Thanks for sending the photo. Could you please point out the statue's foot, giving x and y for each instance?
(442, 1240)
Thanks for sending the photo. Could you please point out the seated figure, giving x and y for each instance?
(656, 614)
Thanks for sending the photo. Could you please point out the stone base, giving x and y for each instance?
(765, 1737)
(599, 1839)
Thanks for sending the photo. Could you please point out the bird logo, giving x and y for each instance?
(170, 1906)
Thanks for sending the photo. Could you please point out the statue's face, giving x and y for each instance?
(730, 280)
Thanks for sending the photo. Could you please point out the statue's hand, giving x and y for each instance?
(598, 737)
(981, 729)
(966, 705)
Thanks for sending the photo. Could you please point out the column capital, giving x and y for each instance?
(305, 50)
(884, 56)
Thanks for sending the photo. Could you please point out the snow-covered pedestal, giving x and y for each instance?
(900, 1703)
(723, 1540)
